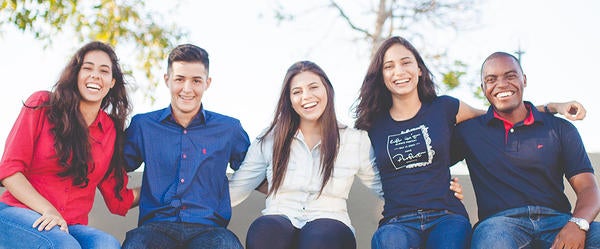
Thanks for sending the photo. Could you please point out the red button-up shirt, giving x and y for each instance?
(30, 150)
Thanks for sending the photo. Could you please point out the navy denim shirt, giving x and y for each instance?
(184, 177)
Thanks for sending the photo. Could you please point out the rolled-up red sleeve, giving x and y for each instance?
(19, 147)
(116, 206)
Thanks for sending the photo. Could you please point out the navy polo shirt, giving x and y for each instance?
(184, 177)
(522, 164)
(413, 158)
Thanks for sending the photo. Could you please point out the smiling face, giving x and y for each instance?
(308, 96)
(400, 71)
(503, 83)
(187, 82)
(95, 77)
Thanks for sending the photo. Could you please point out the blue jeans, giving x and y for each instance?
(17, 231)
(526, 227)
(164, 235)
(424, 229)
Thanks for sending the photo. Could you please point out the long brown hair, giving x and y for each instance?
(72, 142)
(286, 122)
(374, 98)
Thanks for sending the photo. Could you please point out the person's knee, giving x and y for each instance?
(394, 236)
(226, 239)
(326, 233)
(106, 241)
(592, 240)
(493, 233)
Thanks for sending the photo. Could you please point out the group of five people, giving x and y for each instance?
(69, 141)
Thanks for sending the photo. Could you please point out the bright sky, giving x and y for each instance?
(250, 53)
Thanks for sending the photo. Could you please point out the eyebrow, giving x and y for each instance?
(401, 59)
(91, 63)
(309, 84)
(505, 73)
(183, 76)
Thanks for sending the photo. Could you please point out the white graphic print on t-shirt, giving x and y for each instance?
(411, 148)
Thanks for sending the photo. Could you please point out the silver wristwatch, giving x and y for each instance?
(582, 223)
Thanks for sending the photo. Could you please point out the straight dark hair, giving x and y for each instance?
(286, 122)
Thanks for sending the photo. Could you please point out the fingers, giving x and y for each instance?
(576, 111)
(457, 188)
(47, 222)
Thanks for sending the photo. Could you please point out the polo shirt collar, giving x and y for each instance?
(533, 116)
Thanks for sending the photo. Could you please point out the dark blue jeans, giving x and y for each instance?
(277, 232)
(165, 235)
(527, 227)
(424, 229)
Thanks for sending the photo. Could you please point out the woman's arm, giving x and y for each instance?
(465, 112)
(19, 187)
(250, 175)
(572, 110)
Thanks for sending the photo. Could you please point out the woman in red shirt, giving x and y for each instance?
(64, 144)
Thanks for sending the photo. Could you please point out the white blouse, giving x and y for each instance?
(298, 196)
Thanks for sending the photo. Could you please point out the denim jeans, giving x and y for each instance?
(164, 235)
(526, 227)
(424, 229)
(17, 232)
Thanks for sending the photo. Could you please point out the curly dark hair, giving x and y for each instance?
(70, 129)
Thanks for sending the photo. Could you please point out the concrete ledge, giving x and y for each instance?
(364, 208)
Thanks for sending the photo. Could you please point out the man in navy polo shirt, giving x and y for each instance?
(517, 158)
(185, 149)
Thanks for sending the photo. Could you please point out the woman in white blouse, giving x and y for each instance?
(309, 161)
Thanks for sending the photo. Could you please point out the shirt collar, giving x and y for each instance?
(533, 115)
(102, 121)
(167, 114)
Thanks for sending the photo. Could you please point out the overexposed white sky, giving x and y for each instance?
(250, 53)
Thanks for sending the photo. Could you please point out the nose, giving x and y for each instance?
(188, 85)
(306, 94)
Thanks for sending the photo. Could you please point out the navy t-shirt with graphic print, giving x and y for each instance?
(413, 157)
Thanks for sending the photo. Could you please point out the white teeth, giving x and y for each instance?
(400, 81)
(93, 86)
(309, 105)
(504, 94)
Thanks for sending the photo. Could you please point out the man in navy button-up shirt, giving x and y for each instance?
(517, 158)
(185, 149)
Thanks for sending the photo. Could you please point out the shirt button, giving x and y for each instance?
(184, 131)
(184, 156)
(512, 130)
(182, 180)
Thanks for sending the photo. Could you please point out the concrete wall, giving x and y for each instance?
(364, 208)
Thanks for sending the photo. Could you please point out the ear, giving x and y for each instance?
(112, 83)
(524, 80)
(208, 81)
(166, 78)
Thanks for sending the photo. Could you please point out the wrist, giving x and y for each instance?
(549, 108)
(583, 224)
